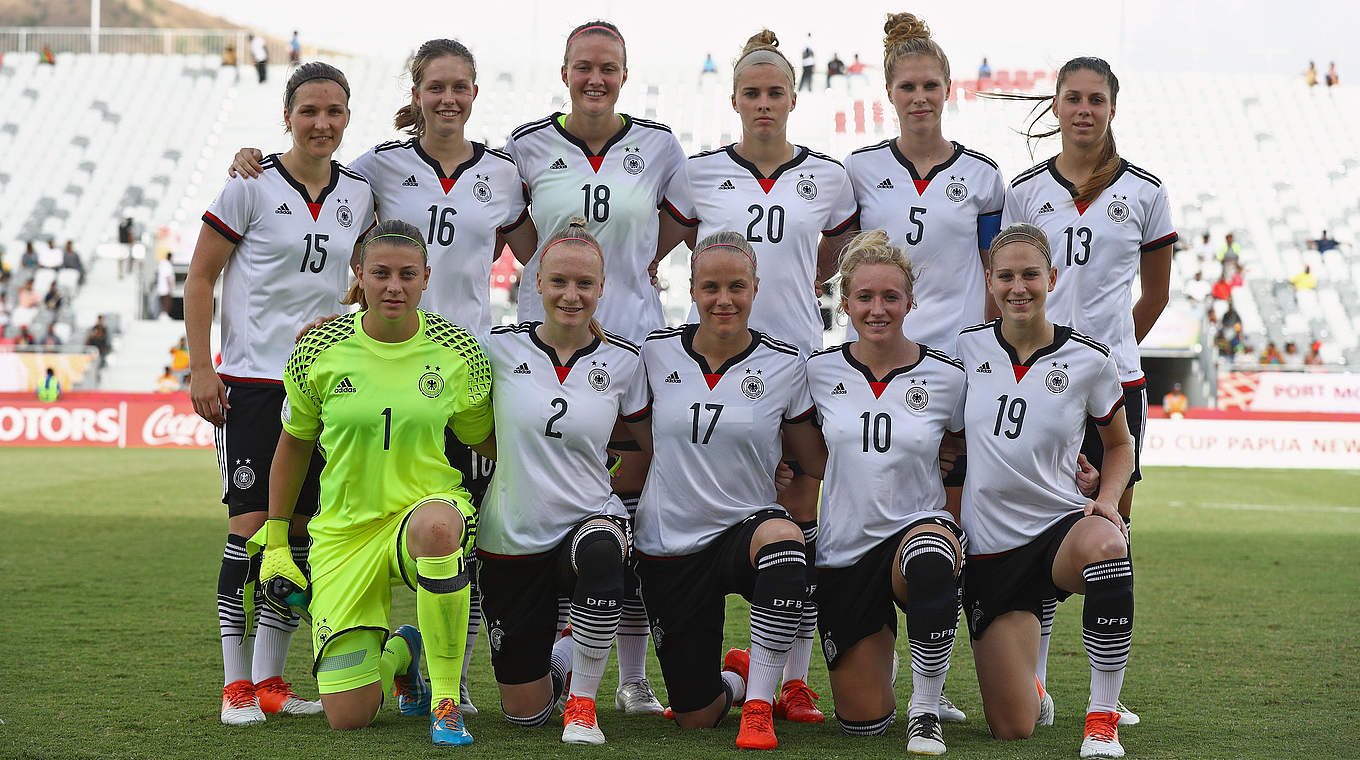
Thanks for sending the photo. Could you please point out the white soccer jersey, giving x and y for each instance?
(783, 217)
(940, 220)
(1025, 425)
(458, 214)
(552, 425)
(883, 438)
(617, 192)
(291, 263)
(1096, 256)
(716, 437)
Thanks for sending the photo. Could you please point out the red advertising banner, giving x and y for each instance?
(113, 420)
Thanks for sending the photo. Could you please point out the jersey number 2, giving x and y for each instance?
(560, 404)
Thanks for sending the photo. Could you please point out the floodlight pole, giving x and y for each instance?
(94, 26)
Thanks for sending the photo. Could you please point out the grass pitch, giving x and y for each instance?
(1247, 640)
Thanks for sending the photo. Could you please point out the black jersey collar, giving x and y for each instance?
(562, 368)
(687, 341)
(595, 159)
(314, 206)
(1072, 189)
(876, 385)
(767, 183)
(447, 180)
(1060, 335)
(911, 168)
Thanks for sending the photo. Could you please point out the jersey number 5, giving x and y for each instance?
(314, 245)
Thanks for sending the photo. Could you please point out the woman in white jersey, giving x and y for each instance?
(550, 526)
(797, 208)
(885, 403)
(282, 244)
(1032, 388)
(610, 169)
(1110, 222)
(468, 202)
(708, 525)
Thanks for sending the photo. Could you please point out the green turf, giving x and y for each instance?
(1246, 643)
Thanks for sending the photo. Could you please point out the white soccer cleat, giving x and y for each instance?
(924, 736)
(1045, 705)
(276, 697)
(949, 713)
(578, 723)
(1127, 717)
(1101, 739)
(465, 700)
(637, 698)
(240, 706)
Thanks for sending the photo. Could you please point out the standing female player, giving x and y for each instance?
(611, 169)
(376, 389)
(281, 244)
(1128, 234)
(885, 403)
(708, 524)
(797, 208)
(550, 525)
(945, 213)
(1032, 388)
(470, 203)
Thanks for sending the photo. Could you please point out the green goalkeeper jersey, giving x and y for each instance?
(379, 411)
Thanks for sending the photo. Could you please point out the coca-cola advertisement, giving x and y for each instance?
(115, 420)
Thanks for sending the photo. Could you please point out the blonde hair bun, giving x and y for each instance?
(901, 27)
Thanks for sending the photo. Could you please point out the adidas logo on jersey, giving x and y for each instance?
(346, 386)
(523, 369)
(839, 390)
(886, 184)
(283, 209)
(558, 164)
(673, 377)
(727, 185)
(985, 368)
(1047, 208)
(410, 182)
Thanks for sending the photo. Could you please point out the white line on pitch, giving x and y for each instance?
(1267, 507)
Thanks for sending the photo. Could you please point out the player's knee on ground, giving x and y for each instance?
(875, 727)
(1010, 730)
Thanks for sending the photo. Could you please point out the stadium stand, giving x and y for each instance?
(98, 138)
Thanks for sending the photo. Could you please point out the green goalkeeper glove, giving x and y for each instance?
(281, 579)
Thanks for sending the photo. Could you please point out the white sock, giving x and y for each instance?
(925, 694)
(236, 658)
(735, 685)
(562, 655)
(1105, 688)
(631, 641)
(271, 643)
(763, 676)
(800, 655)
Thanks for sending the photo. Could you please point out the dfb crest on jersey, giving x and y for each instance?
(917, 398)
(632, 161)
(956, 192)
(497, 636)
(829, 647)
(243, 477)
(753, 387)
(344, 216)
(658, 635)
(807, 189)
(1056, 382)
(323, 632)
(1118, 211)
(599, 379)
(431, 383)
(482, 192)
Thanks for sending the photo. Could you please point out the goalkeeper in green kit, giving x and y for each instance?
(375, 390)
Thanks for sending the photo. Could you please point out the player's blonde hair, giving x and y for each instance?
(574, 233)
(1108, 167)
(393, 232)
(723, 239)
(904, 34)
(762, 47)
(1021, 232)
(409, 118)
(873, 247)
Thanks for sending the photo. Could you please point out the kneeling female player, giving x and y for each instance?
(376, 389)
(1032, 386)
(550, 525)
(708, 524)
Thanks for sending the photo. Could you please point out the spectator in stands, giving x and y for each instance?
(1293, 357)
(834, 68)
(71, 260)
(984, 72)
(29, 260)
(1175, 403)
(4, 310)
(25, 337)
(167, 382)
(1324, 243)
(229, 60)
(1231, 252)
(51, 338)
(165, 284)
(1197, 290)
(1205, 251)
(179, 357)
(1231, 319)
(98, 338)
(26, 304)
(5, 272)
(857, 68)
(126, 236)
(809, 63)
(294, 51)
(50, 257)
(1310, 76)
(47, 56)
(49, 390)
(54, 299)
(1245, 355)
(1314, 357)
(260, 55)
(1304, 280)
(710, 67)
(1236, 273)
(1332, 79)
(1221, 290)
(1272, 354)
